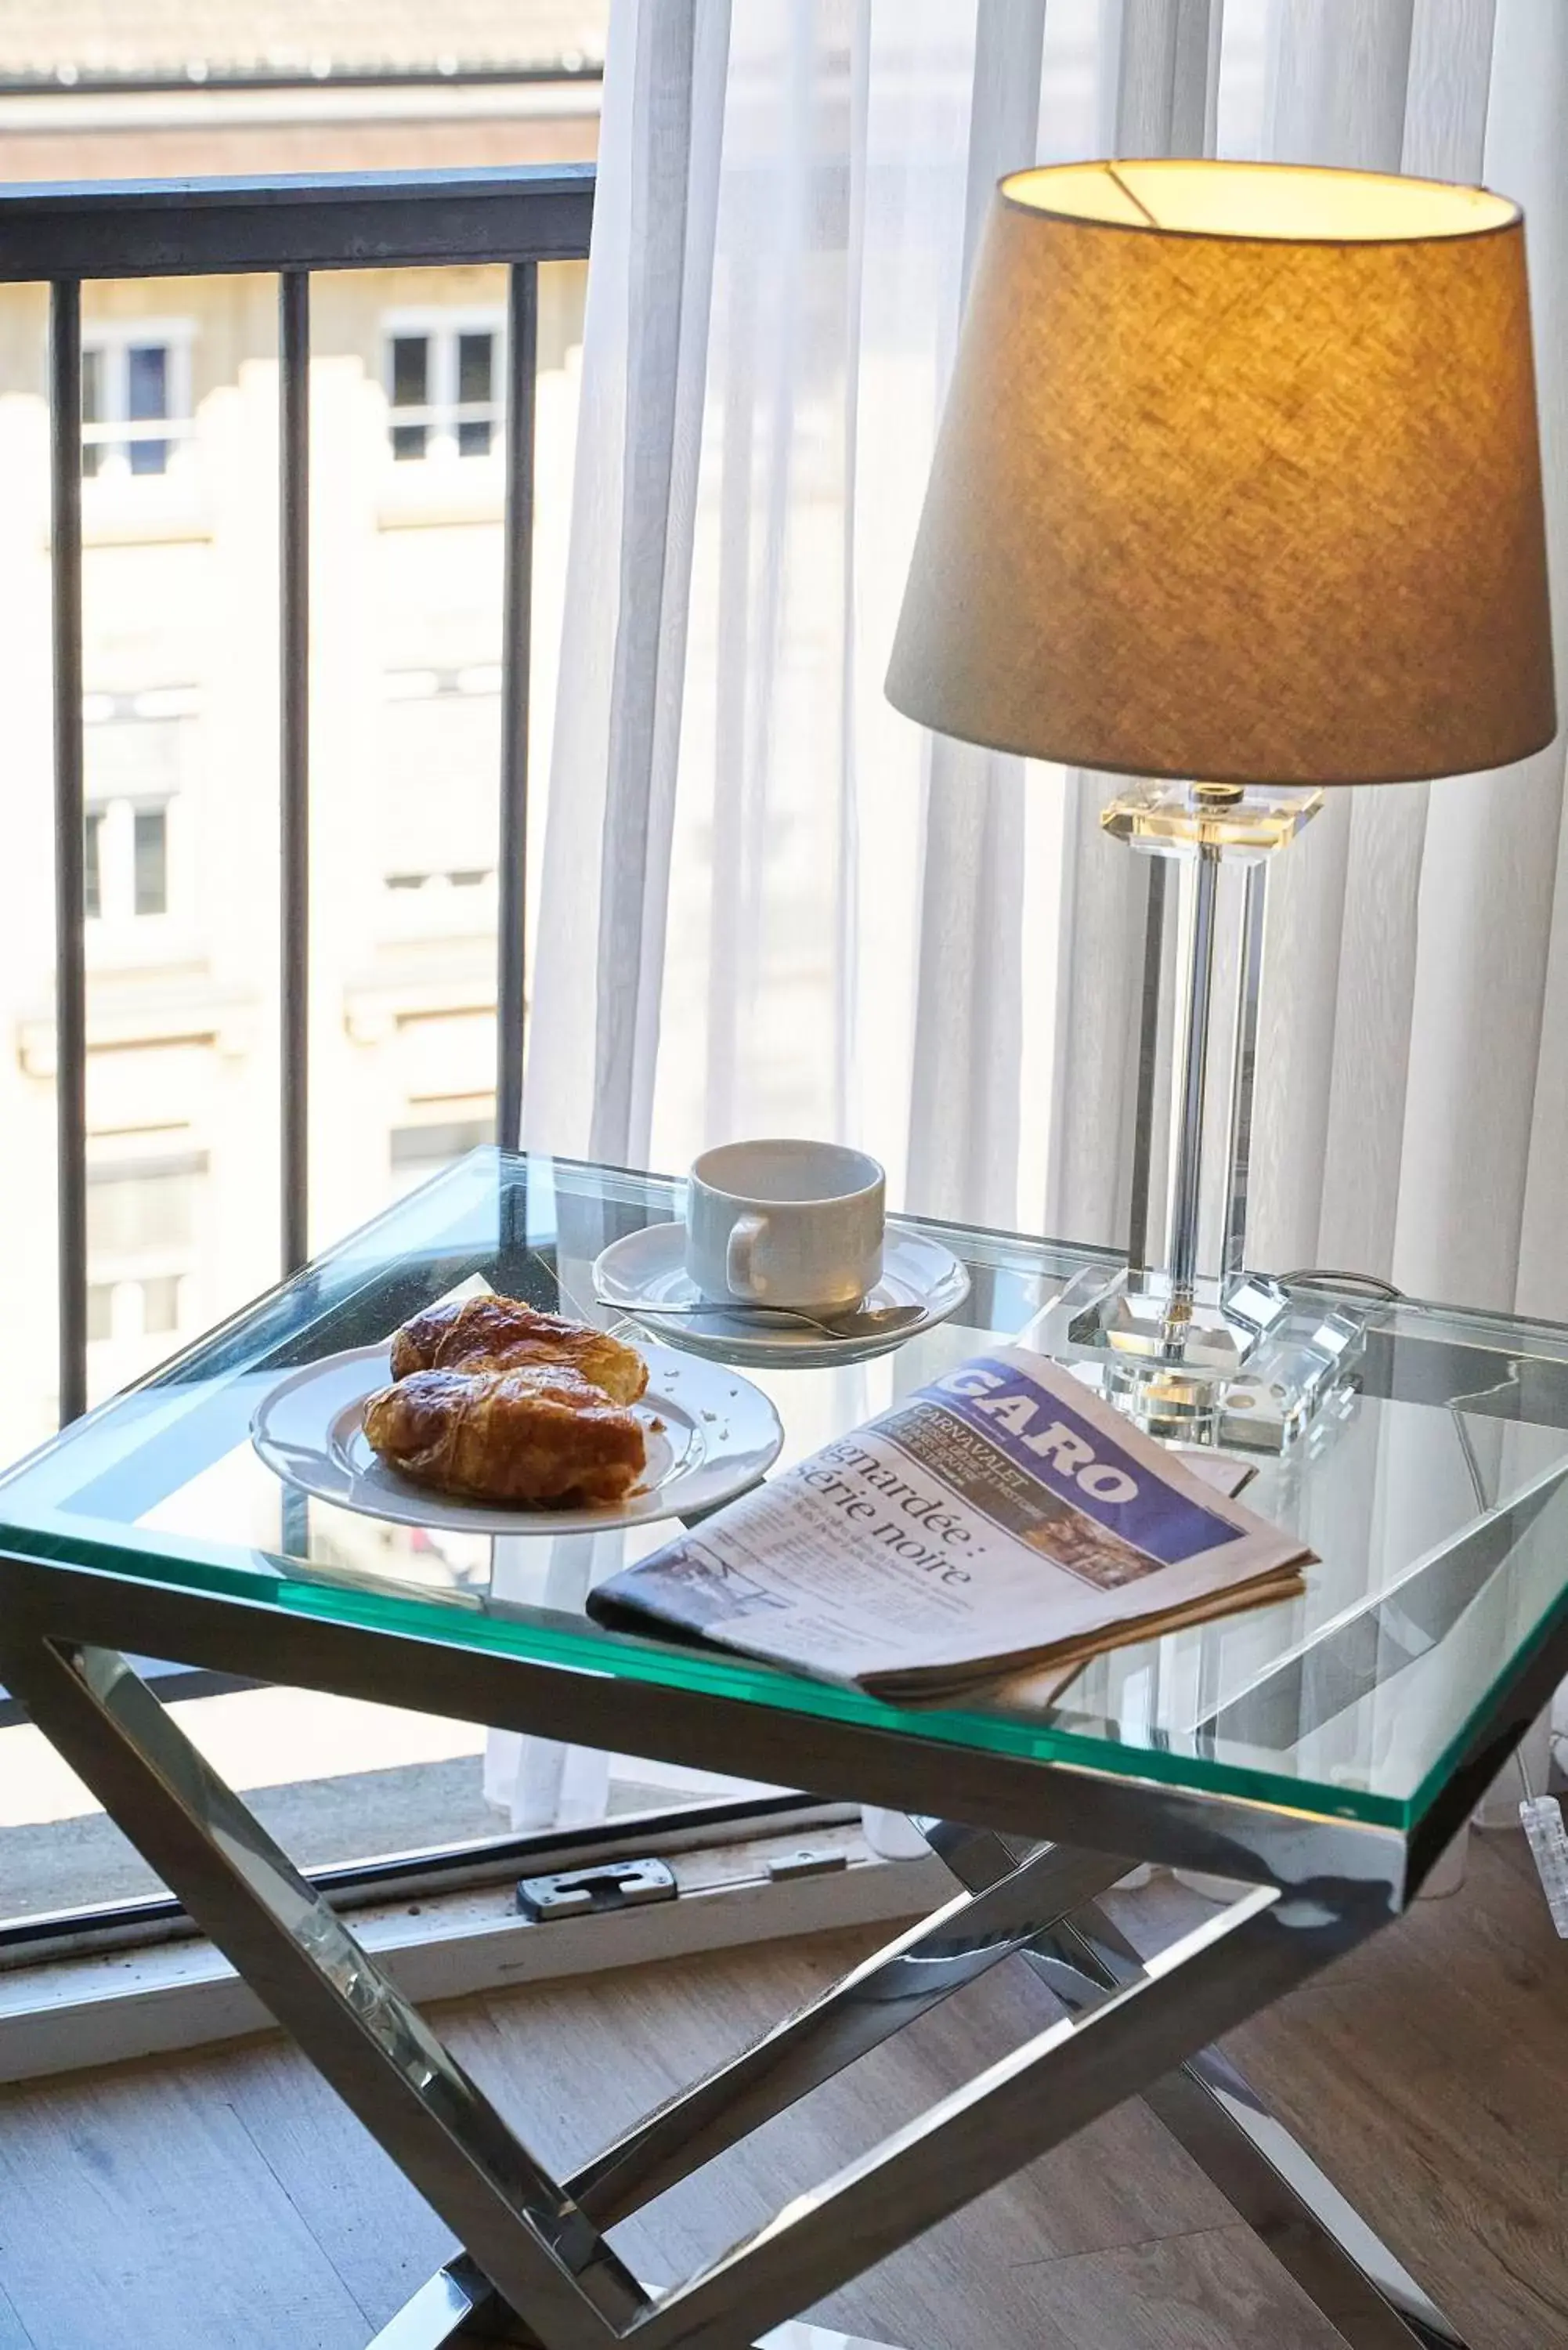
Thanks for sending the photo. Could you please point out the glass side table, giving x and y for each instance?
(1319, 1756)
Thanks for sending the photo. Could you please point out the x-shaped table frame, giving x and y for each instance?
(537, 2267)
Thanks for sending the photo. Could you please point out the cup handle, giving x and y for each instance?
(744, 1234)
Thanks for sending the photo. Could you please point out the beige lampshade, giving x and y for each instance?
(1238, 481)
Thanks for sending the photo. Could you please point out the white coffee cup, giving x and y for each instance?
(785, 1224)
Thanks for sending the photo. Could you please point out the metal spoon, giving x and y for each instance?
(855, 1322)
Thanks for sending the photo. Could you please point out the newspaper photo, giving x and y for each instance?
(1001, 1517)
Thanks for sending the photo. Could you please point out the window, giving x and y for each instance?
(444, 387)
(93, 864)
(161, 1304)
(126, 861)
(142, 1229)
(143, 1207)
(136, 747)
(133, 1309)
(441, 764)
(151, 837)
(136, 400)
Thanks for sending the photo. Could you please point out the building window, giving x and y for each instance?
(444, 387)
(136, 749)
(441, 761)
(144, 1206)
(142, 1220)
(136, 400)
(161, 1304)
(93, 864)
(150, 837)
(127, 861)
(133, 1309)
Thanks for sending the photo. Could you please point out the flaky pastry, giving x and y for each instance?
(532, 1434)
(502, 1333)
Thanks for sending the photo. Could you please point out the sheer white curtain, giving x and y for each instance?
(770, 902)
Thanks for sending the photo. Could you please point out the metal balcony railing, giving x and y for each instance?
(290, 226)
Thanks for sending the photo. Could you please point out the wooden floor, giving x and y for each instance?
(227, 2202)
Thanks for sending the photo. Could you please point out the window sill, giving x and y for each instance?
(185, 1009)
(73, 2015)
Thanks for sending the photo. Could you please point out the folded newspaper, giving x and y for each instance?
(1000, 1518)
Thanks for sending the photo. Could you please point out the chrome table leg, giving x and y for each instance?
(887, 1992)
(1078, 2068)
(459, 2306)
(1214, 2111)
(458, 2311)
(520, 2225)
(919, 1967)
(537, 2269)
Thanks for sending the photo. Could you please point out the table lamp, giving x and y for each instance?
(1237, 491)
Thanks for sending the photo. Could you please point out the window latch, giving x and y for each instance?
(585, 1892)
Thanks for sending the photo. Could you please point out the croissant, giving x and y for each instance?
(531, 1435)
(502, 1333)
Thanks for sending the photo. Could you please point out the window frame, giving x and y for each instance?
(113, 1274)
(116, 923)
(441, 414)
(465, 1936)
(418, 898)
(115, 816)
(112, 433)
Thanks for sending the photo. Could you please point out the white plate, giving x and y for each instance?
(646, 1270)
(716, 1435)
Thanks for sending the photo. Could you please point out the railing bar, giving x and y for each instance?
(374, 220)
(110, 82)
(516, 625)
(294, 756)
(70, 968)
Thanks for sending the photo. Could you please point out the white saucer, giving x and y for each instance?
(709, 1435)
(646, 1270)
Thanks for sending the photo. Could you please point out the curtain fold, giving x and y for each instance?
(1488, 1028)
(768, 901)
(1335, 92)
(619, 718)
(965, 1079)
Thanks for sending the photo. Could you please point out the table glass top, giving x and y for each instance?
(1437, 1497)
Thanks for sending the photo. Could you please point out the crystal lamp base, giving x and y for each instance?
(1252, 1370)
(1184, 1337)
